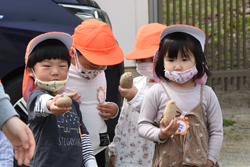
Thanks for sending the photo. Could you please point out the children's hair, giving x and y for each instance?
(48, 49)
(184, 43)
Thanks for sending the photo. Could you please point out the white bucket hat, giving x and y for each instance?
(197, 33)
(28, 82)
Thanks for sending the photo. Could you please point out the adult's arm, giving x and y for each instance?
(6, 109)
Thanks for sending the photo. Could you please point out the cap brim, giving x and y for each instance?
(141, 54)
(102, 59)
(64, 37)
(193, 31)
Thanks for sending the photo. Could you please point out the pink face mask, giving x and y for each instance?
(181, 77)
(201, 80)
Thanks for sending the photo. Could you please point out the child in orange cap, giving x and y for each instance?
(61, 136)
(194, 137)
(127, 148)
(94, 48)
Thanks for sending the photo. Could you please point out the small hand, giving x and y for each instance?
(112, 161)
(168, 131)
(209, 163)
(128, 94)
(75, 96)
(51, 104)
(109, 110)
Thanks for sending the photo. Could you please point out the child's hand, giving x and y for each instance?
(128, 94)
(209, 163)
(112, 161)
(110, 110)
(168, 131)
(75, 96)
(51, 104)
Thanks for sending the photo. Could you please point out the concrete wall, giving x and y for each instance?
(127, 16)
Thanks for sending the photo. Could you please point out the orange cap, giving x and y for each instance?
(28, 82)
(146, 41)
(96, 42)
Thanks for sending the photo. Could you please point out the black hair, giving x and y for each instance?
(144, 59)
(48, 49)
(184, 43)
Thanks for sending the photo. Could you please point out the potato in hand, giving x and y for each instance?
(126, 80)
(64, 101)
(169, 112)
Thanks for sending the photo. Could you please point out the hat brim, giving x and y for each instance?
(110, 58)
(63, 37)
(141, 54)
(193, 31)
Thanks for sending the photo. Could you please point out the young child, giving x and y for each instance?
(127, 148)
(94, 48)
(61, 137)
(195, 138)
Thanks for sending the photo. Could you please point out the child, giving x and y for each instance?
(127, 148)
(61, 137)
(180, 62)
(94, 48)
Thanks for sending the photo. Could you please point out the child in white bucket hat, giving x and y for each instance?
(61, 136)
(194, 137)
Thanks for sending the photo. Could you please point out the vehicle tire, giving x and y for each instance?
(13, 88)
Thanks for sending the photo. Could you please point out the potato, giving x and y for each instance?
(64, 101)
(169, 112)
(126, 80)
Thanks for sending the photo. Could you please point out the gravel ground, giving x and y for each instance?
(235, 106)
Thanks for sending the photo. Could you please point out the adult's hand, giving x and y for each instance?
(22, 139)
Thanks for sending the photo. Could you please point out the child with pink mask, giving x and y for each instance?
(194, 137)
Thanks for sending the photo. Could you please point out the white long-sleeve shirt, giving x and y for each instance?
(155, 102)
(88, 89)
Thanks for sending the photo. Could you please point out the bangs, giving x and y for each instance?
(48, 49)
(178, 42)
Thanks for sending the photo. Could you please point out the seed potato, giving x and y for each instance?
(126, 80)
(64, 101)
(169, 112)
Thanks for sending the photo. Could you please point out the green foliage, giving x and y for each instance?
(208, 15)
(228, 122)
